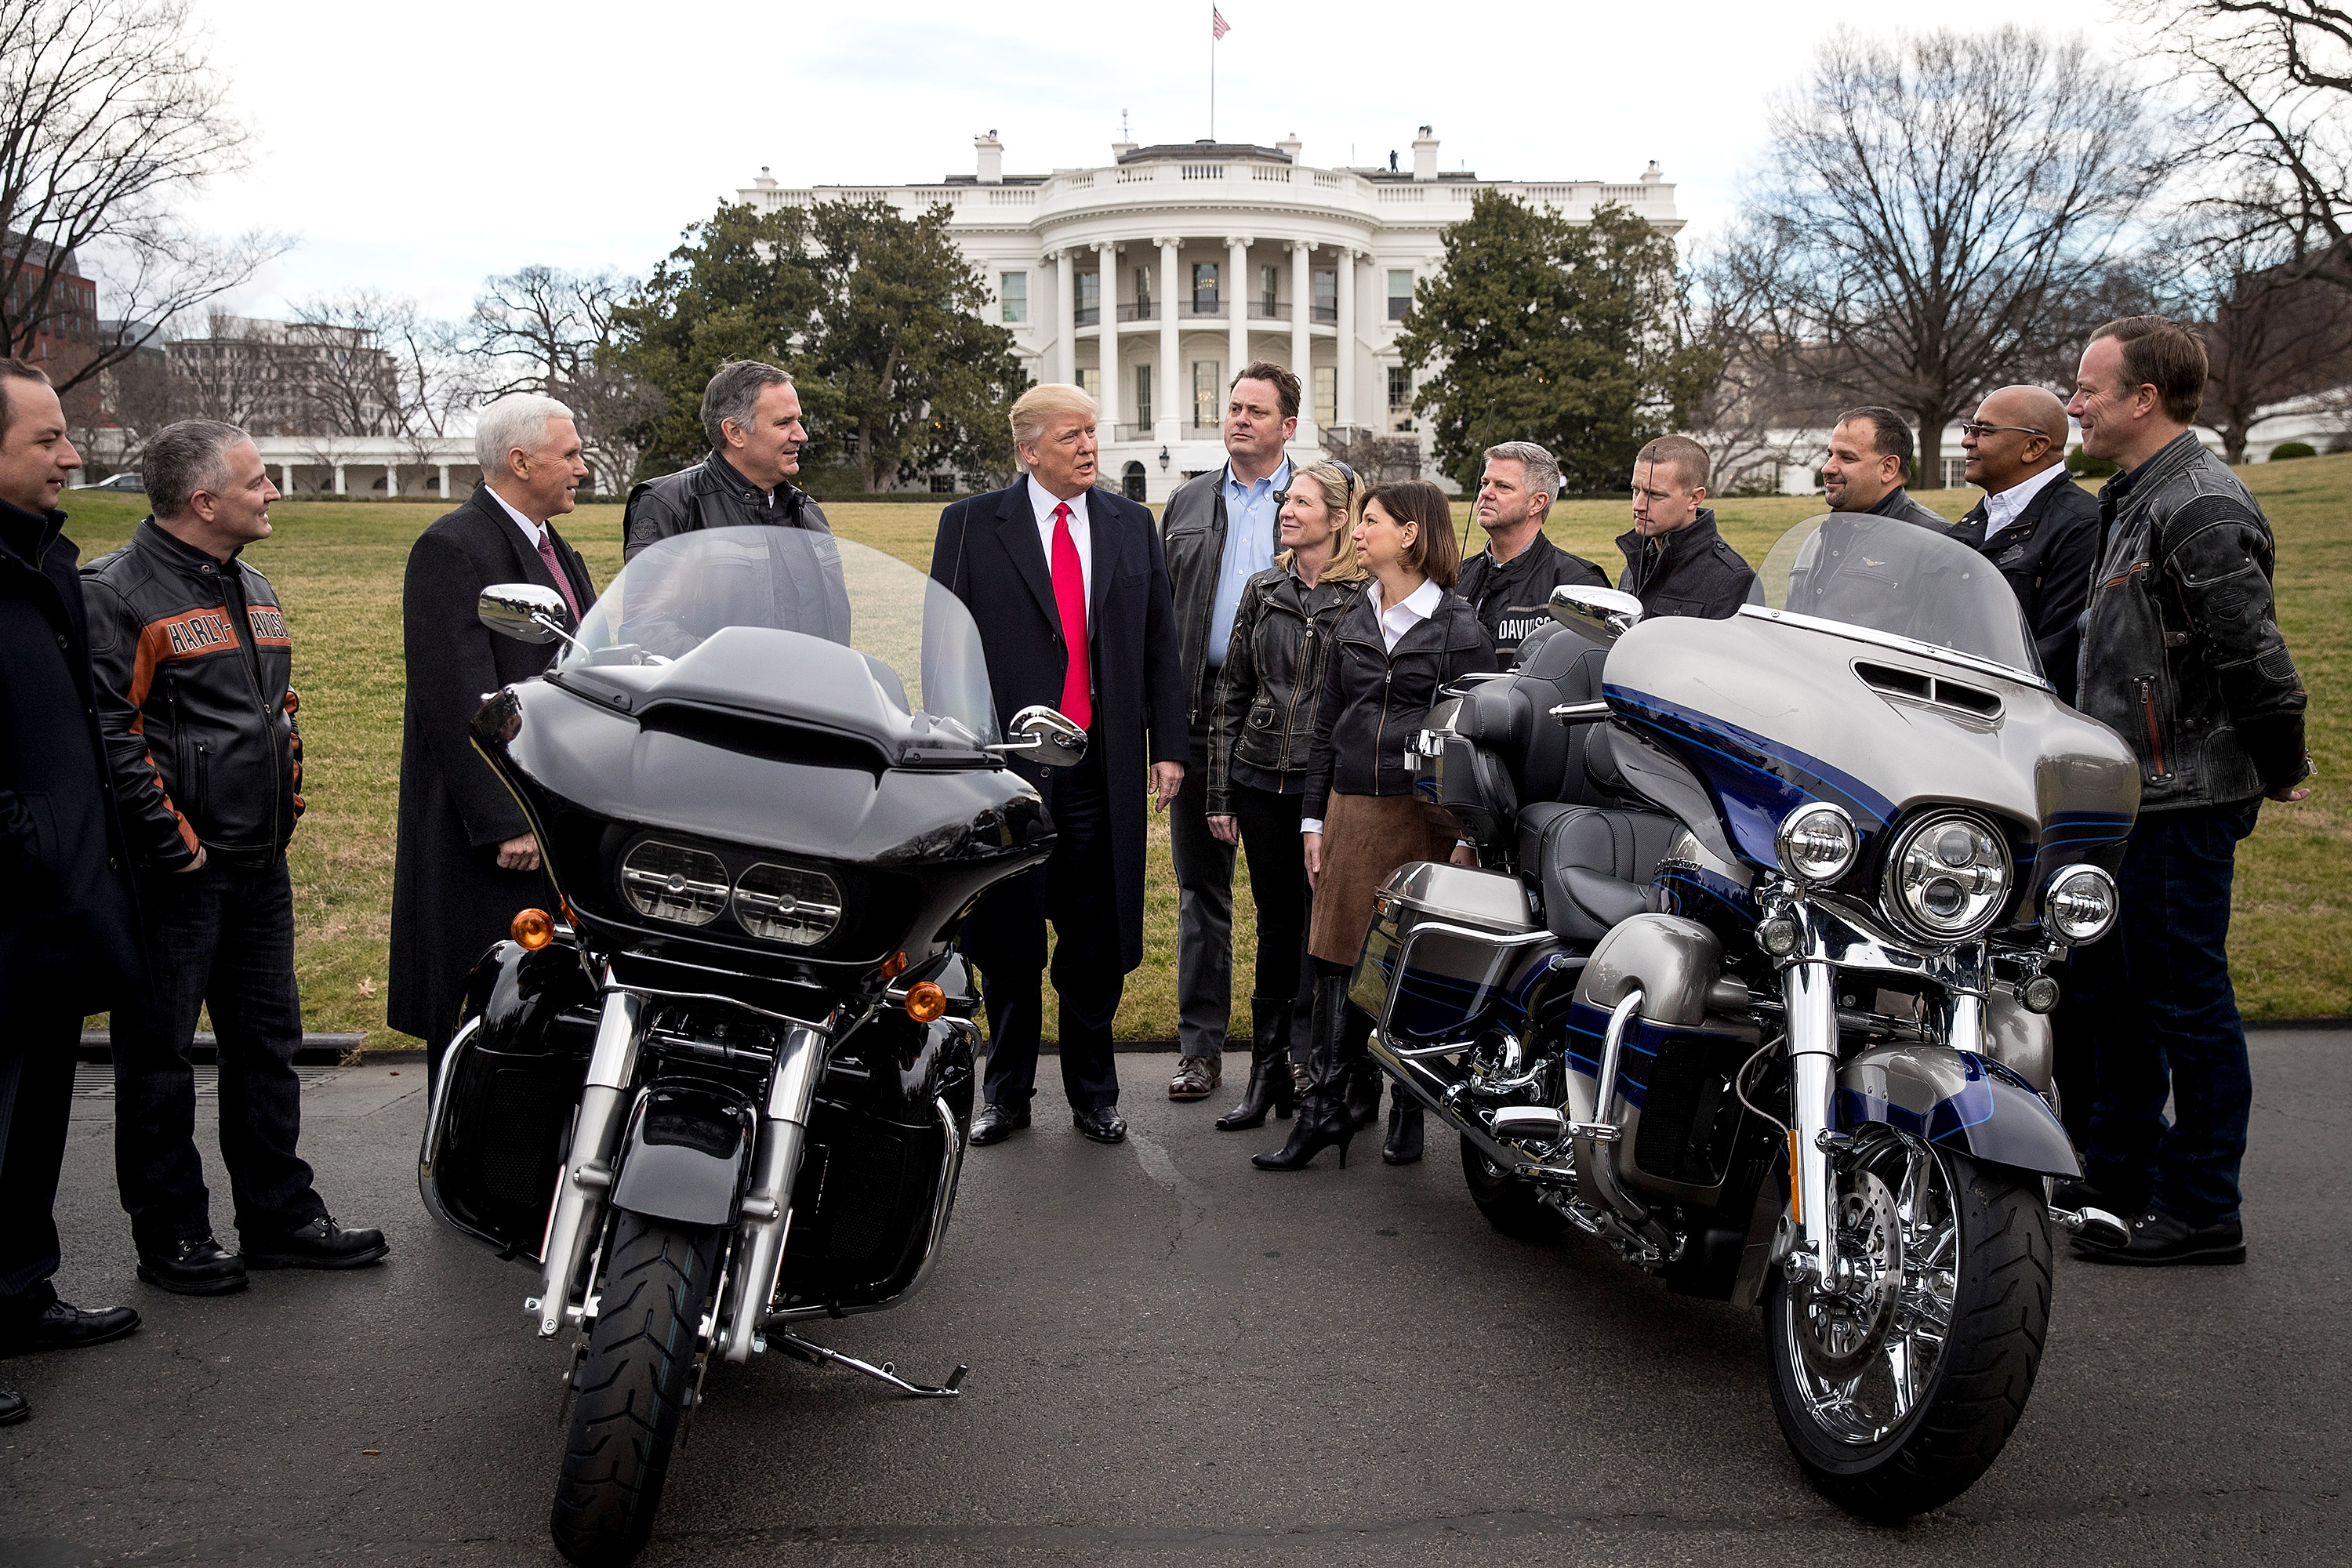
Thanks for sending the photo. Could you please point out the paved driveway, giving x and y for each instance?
(1175, 1356)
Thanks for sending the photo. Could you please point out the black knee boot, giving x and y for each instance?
(1322, 1120)
(1402, 1146)
(1269, 1078)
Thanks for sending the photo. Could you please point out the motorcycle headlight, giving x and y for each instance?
(784, 903)
(1947, 877)
(672, 882)
(2081, 904)
(1817, 843)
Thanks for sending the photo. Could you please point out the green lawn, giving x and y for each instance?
(337, 567)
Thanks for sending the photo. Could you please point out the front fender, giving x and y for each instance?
(686, 1156)
(1958, 1100)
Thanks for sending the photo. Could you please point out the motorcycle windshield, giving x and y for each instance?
(918, 643)
(1890, 578)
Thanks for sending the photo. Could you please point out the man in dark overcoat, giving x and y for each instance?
(1069, 587)
(466, 860)
(69, 919)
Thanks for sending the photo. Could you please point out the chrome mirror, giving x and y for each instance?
(526, 612)
(1046, 738)
(1606, 612)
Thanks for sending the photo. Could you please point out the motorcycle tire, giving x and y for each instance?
(1509, 1203)
(1976, 1391)
(632, 1390)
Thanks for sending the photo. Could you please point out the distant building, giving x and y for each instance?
(287, 378)
(1153, 279)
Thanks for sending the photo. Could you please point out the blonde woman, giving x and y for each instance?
(1261, 721)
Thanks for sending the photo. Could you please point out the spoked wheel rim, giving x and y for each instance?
(1865, 1351)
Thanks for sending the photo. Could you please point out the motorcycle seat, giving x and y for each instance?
(1511, 720)
(1593, 864)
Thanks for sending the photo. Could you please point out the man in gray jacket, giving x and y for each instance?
(1219, 531)
(751, 415)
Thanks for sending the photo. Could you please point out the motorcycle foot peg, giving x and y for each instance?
(1529, 1124)
(2096, 1227)
(1599, 1131)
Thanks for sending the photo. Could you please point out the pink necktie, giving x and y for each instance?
(1070, 598)
(563, 578)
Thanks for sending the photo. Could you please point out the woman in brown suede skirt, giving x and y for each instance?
(1399, 647)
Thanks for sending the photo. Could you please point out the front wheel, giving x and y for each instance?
(632, 1390)
(1897, 1390)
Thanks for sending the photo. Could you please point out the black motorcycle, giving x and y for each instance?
(724, 1086)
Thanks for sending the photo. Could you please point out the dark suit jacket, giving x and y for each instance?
(449, 899)
(2048, 553)
(988, 555)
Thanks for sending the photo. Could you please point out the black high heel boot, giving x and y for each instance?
(1322, 1120)
(1269, 1078)
(1364, 1081)
(1402, 1146)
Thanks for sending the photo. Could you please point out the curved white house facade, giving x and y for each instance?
(1150, 280)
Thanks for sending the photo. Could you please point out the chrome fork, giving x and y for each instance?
(1808, 992)
(768, 1207)
(572, 1222)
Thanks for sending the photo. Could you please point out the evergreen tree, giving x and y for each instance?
(1542, 329)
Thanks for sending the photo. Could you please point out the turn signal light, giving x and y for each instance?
(895, 965)
(533, 929)
(926, 1003)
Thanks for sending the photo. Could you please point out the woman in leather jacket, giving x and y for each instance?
(1405, 639)
(1261, 721)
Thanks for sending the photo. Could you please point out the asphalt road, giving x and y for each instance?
(1175, 1356)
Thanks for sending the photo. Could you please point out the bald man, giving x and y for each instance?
(2035, 524)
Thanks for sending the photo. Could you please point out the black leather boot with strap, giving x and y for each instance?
(1322, 1121)
(1269, 1080)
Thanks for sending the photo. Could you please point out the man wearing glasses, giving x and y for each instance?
(2039, 528)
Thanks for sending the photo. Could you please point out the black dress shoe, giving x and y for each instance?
(69, 1328)
(2158, 1238)
(1103, 1124)
(198, 1266)
(13, 1408)
(995, 1123)
(321, 1243)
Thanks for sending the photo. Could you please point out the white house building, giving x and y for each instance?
(1153, 279)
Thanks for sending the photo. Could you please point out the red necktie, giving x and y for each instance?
(1070, 598)
(563, 578)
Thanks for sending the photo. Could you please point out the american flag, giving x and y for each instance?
(1218, 25)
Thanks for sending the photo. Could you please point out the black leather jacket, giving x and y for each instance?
(1690, 572)
(711, 494)
(1271, 687)
(2181, 650)
(1513, 601)
(1374, 700)
(192, 661)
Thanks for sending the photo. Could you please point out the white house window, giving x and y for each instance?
(1326, 296)
(1208, 392)
(1143, 293)
(1204, 287)
(1012, 288)
(1143, 394)
(1090, 381)
(1269, 289)
(1956, 472)
(1400, 387)
(1089, 298)
(1400, 293)
(1327, 395)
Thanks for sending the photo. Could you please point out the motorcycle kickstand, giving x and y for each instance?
(817, 1355)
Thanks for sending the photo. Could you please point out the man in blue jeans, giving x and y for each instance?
(2182, 657)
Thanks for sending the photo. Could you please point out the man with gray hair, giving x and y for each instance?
(1509, 583)
(465, 860)
(193, 663)
(752, 417)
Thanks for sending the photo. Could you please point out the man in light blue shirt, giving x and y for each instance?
(1220, 530)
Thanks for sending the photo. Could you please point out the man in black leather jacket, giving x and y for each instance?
(193, 661)
(751, 415)
(2182, 658)
(1508, 584)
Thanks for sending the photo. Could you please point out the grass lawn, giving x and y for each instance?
(337, 567)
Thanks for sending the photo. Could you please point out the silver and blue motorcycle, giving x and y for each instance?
(1753, 979)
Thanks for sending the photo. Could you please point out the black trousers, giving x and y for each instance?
(1277, 876)
(1006, 936)
(36, 1080)
(222, 937)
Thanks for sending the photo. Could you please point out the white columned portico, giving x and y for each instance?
(1237, 308)
(1106, 346)
(1066, 307)
(1302, 357)
(1345, 340)
(1164, 414)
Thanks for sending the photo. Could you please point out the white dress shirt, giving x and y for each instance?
(1042, 501)
(1395, 621)
(2002, 510)
(532, 532)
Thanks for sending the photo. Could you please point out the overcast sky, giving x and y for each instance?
(420, 148)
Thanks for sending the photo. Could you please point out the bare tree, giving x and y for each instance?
(544, 328)
(2274, 130)
(1928, 210)
(385, 368)
(109, 114)
(2269, 344)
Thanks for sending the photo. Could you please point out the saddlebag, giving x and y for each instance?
(1443, 942)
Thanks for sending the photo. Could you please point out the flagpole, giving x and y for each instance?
(1212, 70)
